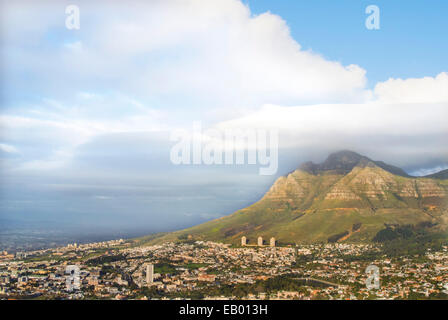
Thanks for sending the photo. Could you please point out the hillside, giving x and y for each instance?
(348, 197)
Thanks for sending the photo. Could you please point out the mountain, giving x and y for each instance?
(439, 175)
(348, 197)
(344, 161)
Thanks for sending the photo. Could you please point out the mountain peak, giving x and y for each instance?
(344, 161)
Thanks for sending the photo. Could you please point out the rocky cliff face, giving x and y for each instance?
(363, 184)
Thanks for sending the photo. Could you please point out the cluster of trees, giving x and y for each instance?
(272, 285)
(392, 233)
(165, 268)
(433, 296)
(106, 259)
(336, 237)
(409, 240)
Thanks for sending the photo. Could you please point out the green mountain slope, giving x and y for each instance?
(347, 198)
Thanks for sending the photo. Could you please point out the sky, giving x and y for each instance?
(409, 43)
(86, 115)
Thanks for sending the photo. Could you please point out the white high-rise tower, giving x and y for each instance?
(149, 273)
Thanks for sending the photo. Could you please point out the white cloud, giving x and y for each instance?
(190, 52)
(412, 111)
(151, 66)
(50, 132)
(102, 197)
(428, 171)
(423, 90)
(8, 148)
(74, 46)
(407, 128)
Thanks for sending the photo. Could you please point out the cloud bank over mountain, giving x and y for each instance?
(86, 114)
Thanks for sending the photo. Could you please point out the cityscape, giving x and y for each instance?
(207, 270)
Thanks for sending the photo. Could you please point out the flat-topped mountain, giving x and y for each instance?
(348, 197)
(344, 161)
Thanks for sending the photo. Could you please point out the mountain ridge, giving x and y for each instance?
(318, 202)
(443, 174)
(345, 160)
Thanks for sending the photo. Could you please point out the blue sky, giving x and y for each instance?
(86, 115)
(411, 41)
